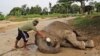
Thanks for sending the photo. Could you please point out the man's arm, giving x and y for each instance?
(40, 33)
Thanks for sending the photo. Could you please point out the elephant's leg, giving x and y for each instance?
(89, 43)
(44, 47)
(71, 37)
(65, 43)
(82, 38)
(79, 37)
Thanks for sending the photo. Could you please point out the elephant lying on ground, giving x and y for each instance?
(60, 34)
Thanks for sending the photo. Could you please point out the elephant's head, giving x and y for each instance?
(47, 44)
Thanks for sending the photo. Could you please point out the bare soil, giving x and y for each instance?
(8, 33)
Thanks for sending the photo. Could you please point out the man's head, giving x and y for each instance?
(35, 22)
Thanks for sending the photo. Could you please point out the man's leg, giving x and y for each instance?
(71, 37)
(25, 38)
(25, 43)
(16, 42)
(18, 38)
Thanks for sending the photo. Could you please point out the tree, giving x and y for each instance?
(88, 9)
(97, 6)
(35, 10)
(82, 4)
(56, 9)
(24, 9)
(32, 10)
(16, 11)
(75, 8)
(1, 16)
(66, 5)
(45, 11)
(81, 1)
(50, 6)
(27, 10)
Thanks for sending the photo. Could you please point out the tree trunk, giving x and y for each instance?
(82, 7)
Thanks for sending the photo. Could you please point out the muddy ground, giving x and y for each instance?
(8, 33)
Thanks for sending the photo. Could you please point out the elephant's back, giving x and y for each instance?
(57, 28)
(57, 25)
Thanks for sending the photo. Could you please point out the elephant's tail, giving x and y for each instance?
(44, 47)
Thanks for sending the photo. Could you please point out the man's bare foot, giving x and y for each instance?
(26, 48)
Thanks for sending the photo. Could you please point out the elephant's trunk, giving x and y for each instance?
(44, 47)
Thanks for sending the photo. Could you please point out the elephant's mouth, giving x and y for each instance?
(50, 42)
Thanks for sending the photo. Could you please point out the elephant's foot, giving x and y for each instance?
(81, 45)
(90, 43)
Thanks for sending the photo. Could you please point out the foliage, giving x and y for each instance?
(87, 25)
(35, 10)
(56, 8)
(97, 6)
(65, 5)
(16, 11)
(88, 21)
(82, 4)
(88, 9)
(2, 17)
(23, 8)
(75, 8)
(50, 6)
(45, 11)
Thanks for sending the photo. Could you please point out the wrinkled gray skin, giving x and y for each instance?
(55, 31)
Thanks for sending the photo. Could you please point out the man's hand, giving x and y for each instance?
(41, 33)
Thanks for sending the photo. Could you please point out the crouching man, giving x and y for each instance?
(23, 32)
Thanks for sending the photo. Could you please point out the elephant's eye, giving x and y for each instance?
(48, 39)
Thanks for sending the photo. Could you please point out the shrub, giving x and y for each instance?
(2, 17)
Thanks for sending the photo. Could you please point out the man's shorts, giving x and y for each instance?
(22, 34)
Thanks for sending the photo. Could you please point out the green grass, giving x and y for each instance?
(44, 16)
(30, 17)
(87, 21)
(16, 18)
(2, 17)
(88, 24)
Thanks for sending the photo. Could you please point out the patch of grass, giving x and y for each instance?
(2, 17)
(30, 17)
(87, 21)
(88, 24)
(16, 18)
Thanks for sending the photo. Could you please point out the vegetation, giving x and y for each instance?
(63, 8)
(88, 24)
(2, 16)
(97, 6)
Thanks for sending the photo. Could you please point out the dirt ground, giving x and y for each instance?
(8, 33)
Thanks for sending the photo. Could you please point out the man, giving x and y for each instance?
(23, 32)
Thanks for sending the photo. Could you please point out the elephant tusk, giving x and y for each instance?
(48, 39)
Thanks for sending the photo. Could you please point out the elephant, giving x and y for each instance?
(60, 34)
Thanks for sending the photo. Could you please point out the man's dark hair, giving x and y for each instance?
(35, 22)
